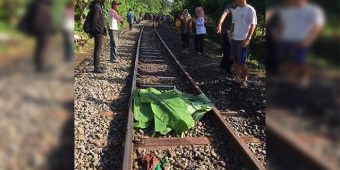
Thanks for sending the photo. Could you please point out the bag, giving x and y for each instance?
(87, 27)
(25, 24)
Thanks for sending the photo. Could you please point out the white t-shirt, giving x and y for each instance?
(243, 17)
(297, 22)
(113, 23)
(200, 27)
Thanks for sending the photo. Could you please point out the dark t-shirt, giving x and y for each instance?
(226, 25)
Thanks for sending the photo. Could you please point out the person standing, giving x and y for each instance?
(200, 30)
(185, 30)
(244, 22)
(223, 28)
(130, 18)
(301, 22)
(114, 18)
(68, 31)
(94, 25)
(38, 22)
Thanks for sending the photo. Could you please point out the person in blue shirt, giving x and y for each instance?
(130, 18)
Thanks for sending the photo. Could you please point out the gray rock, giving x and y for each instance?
(213, 153)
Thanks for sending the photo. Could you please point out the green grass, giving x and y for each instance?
(256, 63)
(321, 62)
(212, 46)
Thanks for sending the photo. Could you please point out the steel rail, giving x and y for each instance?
(128, 144)
(248, 158)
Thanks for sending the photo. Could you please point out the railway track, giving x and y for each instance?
(156, 66)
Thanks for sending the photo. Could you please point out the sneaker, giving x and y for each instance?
(244, 85)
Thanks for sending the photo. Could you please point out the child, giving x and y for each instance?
(200, 30)
(185, 30)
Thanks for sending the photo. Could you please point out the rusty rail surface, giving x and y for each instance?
(128, 145)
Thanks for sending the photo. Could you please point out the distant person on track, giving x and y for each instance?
(114, 19)
(130, 18)
(185, 19)
(94, 25)
(244, 22)
(223, 28)
(200, 30)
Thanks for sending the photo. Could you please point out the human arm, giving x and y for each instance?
(319, 21)
(252, 19)
(249, 35)
(219, 25)
(117, 17)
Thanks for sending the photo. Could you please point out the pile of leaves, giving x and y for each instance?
(167, 111)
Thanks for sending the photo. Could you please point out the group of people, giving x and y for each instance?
(236, 26)
(95, 26)
(157, 17)
(196, 25)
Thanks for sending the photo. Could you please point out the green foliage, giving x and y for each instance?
(12, 10)
(171, 110)
(138, 6)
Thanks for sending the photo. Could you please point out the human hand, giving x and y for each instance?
(246, 43)
(218, 29)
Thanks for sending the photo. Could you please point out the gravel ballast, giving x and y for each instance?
(101, 104)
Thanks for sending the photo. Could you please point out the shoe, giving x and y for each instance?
(244, 85)
(99, 70)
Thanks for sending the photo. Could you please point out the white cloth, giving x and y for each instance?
(113, 23)
(200, 27)
(297, 22)
(242, 18)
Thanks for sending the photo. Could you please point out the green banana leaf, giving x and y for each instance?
(142, 112)
(171, 110)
